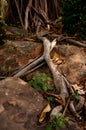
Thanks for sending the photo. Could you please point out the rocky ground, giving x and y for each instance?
(20, 104)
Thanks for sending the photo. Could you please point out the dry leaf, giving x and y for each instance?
(1, 108)
(58, 98)
(43, 114)
(56, 59)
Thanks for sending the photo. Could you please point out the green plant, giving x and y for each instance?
(18, 33)
(50, 99)
(41, 81)
(58, 120)
(75, 96)
(74, 17)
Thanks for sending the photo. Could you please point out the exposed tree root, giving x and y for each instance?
(62, 85)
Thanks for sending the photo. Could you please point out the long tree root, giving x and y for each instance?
(62, 85)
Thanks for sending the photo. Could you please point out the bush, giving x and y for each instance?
(74, 17)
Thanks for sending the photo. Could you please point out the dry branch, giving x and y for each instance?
(68, 39)
(76, 42)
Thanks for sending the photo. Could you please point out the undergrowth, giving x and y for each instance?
(58, 121)
(41, 82)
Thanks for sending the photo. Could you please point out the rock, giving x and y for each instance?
(20, 105)
(15, 54)
(74, 63)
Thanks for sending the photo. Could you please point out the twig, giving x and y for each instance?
(66, 106)
(76, 42)
(65, 109)
(68, 39)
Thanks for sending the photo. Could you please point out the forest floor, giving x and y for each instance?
(20, 104)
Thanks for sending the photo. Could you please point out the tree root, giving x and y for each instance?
(62, 85)
(29, 66)
(76, 108)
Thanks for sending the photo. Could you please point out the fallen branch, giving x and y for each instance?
(76, 42)
(68, 39)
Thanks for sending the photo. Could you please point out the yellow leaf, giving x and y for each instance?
(43, 114)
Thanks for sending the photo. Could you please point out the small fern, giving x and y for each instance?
(41, 81)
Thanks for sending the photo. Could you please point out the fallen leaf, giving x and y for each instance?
(43, 114)
(58, 98)
(1, 108)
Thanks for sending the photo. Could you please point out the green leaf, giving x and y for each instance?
(37, 87)
(44, 88)
(66, 119)
(60, 124)
(39, 82)
(48, 87)
(49, 126)
(48, 78)
(31, 83)
(50, 99)
(76, 96)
